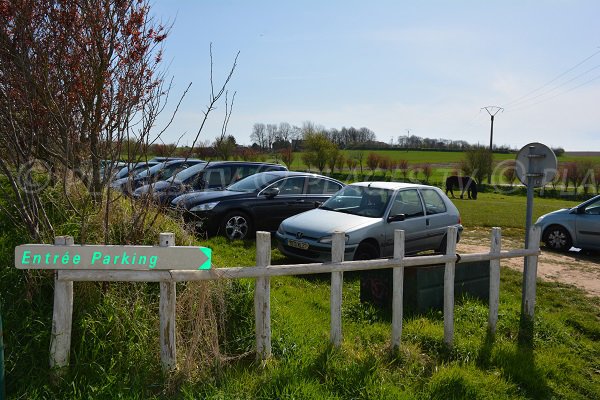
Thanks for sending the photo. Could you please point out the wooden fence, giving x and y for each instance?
(263, 271)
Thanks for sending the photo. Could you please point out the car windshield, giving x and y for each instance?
(187, 173)
(253, 183)
(151, 171)
(360, 200)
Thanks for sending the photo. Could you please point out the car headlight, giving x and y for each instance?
(280, 230)
(205, 206)
(329, 239)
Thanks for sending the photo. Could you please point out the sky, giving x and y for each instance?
(421, 67)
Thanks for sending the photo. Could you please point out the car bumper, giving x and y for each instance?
(314, 251)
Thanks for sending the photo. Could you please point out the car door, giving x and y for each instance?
(437, 218)
(270, 211)
(407, 202)
(587, 226)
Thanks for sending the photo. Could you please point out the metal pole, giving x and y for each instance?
(526, 326)
(492, 133)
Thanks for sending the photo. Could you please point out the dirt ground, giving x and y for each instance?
(577, 268)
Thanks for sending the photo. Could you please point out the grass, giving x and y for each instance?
(115, 353)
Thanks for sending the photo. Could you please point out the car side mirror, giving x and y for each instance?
(396, 218)
(271, 192)
(318, 204)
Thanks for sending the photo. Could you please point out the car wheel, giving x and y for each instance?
(236, 225)
(366, 251)
(557, 238)
(375, 286)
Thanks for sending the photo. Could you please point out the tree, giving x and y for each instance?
(80, 86)
(509, 173)
(478, 163)
(372, 162)
(225, 147)
(359, 157)
(259, 135)
(403, 167)
(341, 161)
(287, 155)
(319, 149)
(427, 171)
(307, 159)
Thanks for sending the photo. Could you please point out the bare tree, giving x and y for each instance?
(259, 135)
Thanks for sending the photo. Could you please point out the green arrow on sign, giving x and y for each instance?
(208, 253)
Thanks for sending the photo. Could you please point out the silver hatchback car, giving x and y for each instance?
(369, 213)
(578, 226)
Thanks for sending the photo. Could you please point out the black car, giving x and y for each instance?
(132, 169)
(159, 172)
(213, 175)
(258, 202)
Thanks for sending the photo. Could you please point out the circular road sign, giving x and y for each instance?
(536, 165)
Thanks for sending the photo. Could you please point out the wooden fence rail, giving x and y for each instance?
(263, 271)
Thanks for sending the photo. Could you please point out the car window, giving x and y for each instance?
(290, 186)
(217, 177)
(322, 186)
(593, 208)
(407, 202)
(434, 204)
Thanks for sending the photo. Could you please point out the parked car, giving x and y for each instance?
(132, 169)
(257, 202)
(369, 213)
(159, 172)
(210, 176)
(578, 226)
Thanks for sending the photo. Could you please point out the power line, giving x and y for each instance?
(519, 104)
(552, 80)
(492, 110)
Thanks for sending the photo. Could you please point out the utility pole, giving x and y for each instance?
(492, 110)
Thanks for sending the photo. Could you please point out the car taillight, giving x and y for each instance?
(459, 220)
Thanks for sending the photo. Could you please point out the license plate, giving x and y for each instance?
(297, 244)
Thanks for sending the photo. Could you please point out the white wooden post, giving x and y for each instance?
(262, 297)
(530, 284)
(338, 246)
(62, 315)
(398, 289)
(449, 287)
(167, 306)
(495, 248)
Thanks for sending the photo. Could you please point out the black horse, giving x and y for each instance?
(464, 183)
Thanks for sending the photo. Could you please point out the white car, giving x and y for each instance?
(369, 213)
(578, 226)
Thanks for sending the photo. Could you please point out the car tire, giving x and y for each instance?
(558, 238)
(236, 225)
(366, 251)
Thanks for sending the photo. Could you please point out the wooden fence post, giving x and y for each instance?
(338, 246)
(262, 297)
(495, 248)
(167, 312)
(449, 286)
(62, 315)
(530, 284)
(398, 289)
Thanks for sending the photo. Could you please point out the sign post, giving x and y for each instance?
(535, 167)
(105, 260)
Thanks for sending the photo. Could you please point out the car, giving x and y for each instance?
(159, 172)
(257, 202)
(132, 169)
(369, 213)
(578, 226)
(210, 176)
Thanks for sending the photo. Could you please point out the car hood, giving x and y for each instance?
(192, 199)
(557, 212)
(317, 223)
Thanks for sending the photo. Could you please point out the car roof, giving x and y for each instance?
(215, 163)
(391, 185)
(295, 173)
